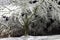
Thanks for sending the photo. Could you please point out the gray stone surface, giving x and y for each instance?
(48, 13)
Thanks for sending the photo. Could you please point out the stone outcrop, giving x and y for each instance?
(45, 20)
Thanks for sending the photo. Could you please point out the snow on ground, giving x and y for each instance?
(56, 37)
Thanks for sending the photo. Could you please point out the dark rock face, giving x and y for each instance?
(49, 26)
(39, 28)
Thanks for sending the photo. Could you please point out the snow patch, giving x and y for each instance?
(56, 37)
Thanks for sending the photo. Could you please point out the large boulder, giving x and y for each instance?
(45, 20)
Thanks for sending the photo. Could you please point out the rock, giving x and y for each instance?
(46, 19)
(10, 26)
(49, 12)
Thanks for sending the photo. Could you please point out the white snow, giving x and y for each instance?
(56, 37)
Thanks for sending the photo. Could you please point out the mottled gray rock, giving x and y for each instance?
(10, 25)
(45, 19)
(49, 18)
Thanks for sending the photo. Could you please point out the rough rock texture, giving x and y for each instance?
(45, 21)
(10, 26)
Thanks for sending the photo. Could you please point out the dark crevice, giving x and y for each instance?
(22, 15)
(59, 3)
(7, 18)
(31, 2)
(4, 16)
